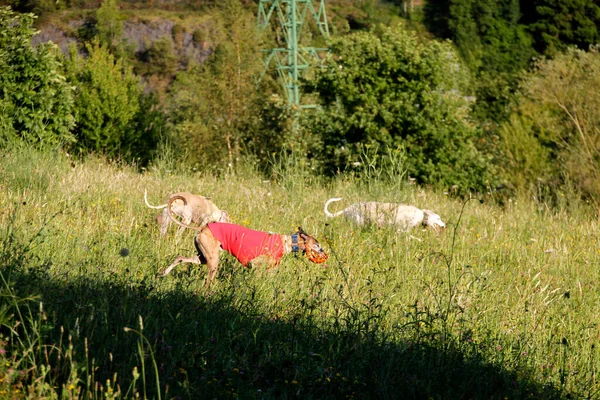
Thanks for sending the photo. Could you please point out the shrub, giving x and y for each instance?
(199, 36)
(110, 107)
(391, 90)
(493, 43)
(159, 59)
(525, 158)
(109, 26)
(35, 100)
(178, 33)
(38, 7)
(560, 120)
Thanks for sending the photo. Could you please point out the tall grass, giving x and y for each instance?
(502, 305)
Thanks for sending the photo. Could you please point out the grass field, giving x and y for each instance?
(503, 304)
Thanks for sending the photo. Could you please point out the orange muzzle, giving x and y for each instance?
(316, 256)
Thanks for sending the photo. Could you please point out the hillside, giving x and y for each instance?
(496, 131)
(477, 111)
(182, 33)
(501, 304)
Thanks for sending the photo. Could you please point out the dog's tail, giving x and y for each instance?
(327, 204)
(170, 211)
(150, 205)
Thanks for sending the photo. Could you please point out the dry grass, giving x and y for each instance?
(503, 303)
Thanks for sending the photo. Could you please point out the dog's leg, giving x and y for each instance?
(356, 216)
(165, 221)
(197, 259)
(208, 248)
(181, 260)
(182, 228)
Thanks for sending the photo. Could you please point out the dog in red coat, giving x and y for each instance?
(251, 248)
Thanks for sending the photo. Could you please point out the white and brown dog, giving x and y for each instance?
(251, 248)
(403, 216)
(197, 209)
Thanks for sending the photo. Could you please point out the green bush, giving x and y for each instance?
(5, 120)
(559, 24)
(492, 42)
(159, 58)
(389, 89)
(109, 26)
(558, 125)
(114, 117)
(35, 99)
(178, 33)
(526, 160)
(39, 7)
(199, 36)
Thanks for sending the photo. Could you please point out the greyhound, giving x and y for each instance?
(404, 216)
(197, 209)
(251, 248)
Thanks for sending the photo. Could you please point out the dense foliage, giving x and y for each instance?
(556, 24)
(554, 138)
(213, 103)
(492, 42)
(454, 109)
(487, 33)
(35, 99)
(388, 89)
(107, 101)
(114, 116)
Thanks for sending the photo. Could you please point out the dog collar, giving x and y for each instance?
(295, 247)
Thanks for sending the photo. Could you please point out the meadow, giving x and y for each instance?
(503, 304)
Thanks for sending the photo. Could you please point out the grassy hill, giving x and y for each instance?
(502, 304)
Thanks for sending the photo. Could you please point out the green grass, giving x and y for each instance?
(503, 304)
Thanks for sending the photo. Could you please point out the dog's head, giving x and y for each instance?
(433, 220)
(311, 247)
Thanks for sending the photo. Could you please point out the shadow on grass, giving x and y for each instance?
(206, 348)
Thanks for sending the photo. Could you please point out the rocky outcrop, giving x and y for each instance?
(140, 35)
(51, 33)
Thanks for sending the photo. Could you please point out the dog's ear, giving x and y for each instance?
(303, 234)
(427, 215)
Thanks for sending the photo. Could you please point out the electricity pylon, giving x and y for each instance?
(293, 60)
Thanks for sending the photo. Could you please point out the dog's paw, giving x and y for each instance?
(162, 274)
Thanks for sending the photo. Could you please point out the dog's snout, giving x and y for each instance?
(316, 254)
(439, 227)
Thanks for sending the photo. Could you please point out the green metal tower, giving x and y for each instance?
(293, 60)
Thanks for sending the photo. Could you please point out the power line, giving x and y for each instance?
(294, 60)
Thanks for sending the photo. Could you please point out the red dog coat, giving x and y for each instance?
(246, 244)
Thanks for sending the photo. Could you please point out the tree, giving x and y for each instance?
(493, 43)
(487, 32)
(214, 102)
(38, 7)
(557, 24)
(435, 13)
(558, 116)
(108, 105)
(392, 90)
(35, 99)
(109, 26)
